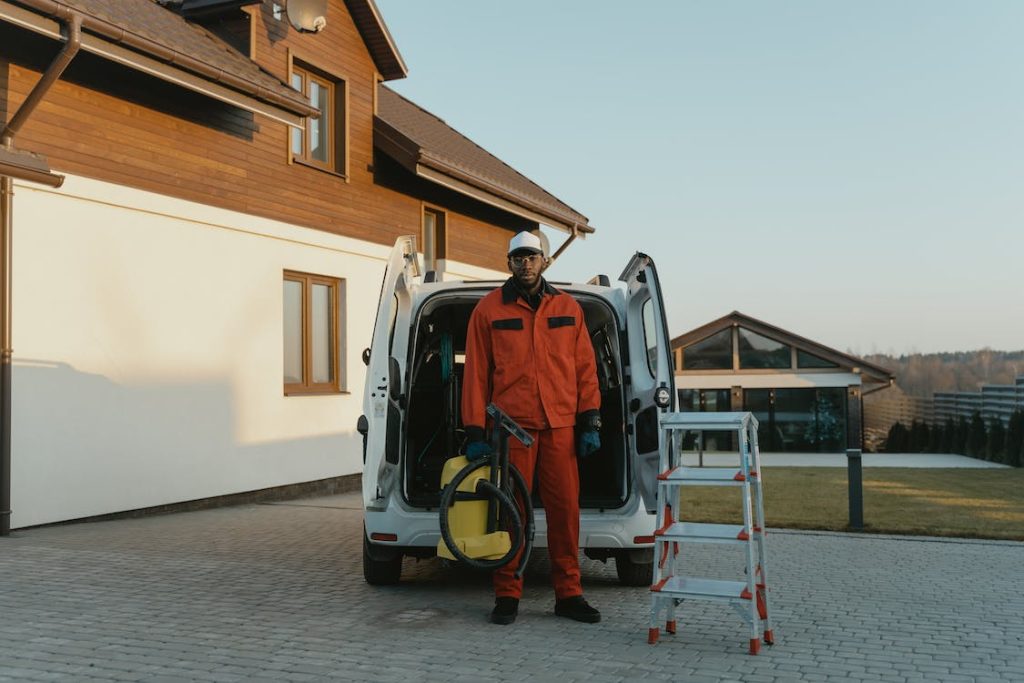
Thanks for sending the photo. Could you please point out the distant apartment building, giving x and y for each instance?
(993, 401)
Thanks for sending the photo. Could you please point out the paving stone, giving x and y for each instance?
(275, 593)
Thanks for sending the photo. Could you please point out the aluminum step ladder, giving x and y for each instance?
(749, 597)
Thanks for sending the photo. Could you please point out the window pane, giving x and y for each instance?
(689, 400)
(318, 142)
(429, 239)
(292, 332)
(794, 420)
(828, 432)
(758, 351)
(759, 402)
(809, 360)
(717, 400)
(297, 132)
(322, 337)
(713, 353)
(651, 337)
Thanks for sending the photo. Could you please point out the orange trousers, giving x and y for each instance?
(552, 457)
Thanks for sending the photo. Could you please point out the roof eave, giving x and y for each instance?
(434, 169)
(141, 54)
(378, 39)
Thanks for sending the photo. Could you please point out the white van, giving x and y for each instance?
(412, 423)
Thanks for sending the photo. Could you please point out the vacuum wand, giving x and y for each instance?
(503, 426)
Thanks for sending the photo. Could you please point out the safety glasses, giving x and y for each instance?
(520, 261)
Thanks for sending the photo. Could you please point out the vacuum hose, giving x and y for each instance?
(521, 528)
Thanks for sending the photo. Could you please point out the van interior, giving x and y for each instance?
(434, 430)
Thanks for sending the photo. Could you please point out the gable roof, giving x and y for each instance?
(869, 371)
(378, 39)
(430, 148)
(148, 37)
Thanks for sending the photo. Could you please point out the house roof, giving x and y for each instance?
(869, 371)
(377, 38)
(147, 29)
(430, 148)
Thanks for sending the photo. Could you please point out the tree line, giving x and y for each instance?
(993, 441)
(922, 374)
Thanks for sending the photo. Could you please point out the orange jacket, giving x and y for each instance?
(537, 366)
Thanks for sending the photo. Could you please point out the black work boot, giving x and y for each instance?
(577, 608)
(505, 611)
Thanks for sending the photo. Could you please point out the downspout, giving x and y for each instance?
(565, 245)
(50, 76)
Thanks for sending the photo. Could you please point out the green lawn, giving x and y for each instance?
(983, 503)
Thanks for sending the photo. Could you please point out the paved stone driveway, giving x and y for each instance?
(275, 593)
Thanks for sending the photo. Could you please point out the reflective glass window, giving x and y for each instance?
(809, 360)
(712, 353)
(759, 351)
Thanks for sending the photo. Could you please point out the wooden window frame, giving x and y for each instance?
(337, 119)
(307, 386)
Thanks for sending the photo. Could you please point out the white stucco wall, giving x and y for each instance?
(147, 341)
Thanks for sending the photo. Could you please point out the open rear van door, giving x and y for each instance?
(384, 396)
(651, 389)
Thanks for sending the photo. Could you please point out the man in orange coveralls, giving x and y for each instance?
(528, 351)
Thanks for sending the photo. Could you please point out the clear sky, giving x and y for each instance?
(852, 172)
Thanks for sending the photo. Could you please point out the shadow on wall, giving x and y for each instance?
(83, 445)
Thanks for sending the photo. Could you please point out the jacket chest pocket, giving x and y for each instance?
(508, 324)
(510, 345)
(557, 321)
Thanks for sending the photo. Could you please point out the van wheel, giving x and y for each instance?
(381, 566)
(635, 567)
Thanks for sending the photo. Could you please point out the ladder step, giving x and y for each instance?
(704, 533)
(705, 421)
(690, 587)
(709, 476)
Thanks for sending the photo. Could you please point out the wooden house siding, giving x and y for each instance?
(105, 122)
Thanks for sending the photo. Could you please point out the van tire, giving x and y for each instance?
(381, 568)
(632, 568)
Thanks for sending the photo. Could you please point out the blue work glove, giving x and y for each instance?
(477, 450)
(587, 442)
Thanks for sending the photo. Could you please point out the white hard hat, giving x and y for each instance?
(525, 241)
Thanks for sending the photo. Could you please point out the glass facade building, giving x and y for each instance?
(805, 396)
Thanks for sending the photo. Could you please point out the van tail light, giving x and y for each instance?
(377, 536)
(643, 539)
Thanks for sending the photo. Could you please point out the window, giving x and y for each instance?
(799, 420)
(651, 337)
(712, 353)
(435, 240)
(809, 360)
(758, 351)
(706, 401)
(311, 332)
(322, 142)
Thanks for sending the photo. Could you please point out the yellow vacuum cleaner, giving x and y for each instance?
(480, 521)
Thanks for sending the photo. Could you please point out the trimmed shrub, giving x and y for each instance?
(976, 436)
(1014, 447)
(995, 448)
(897, 439)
